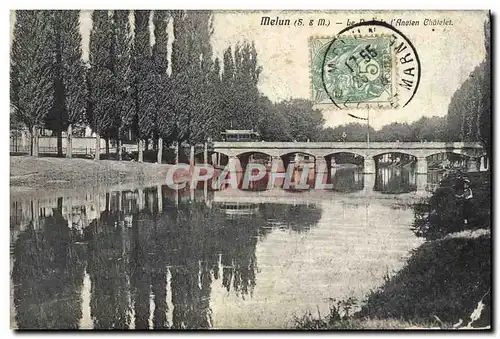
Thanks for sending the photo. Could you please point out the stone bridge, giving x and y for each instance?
(325, 150)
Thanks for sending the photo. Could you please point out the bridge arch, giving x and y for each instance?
(245, 153)
(340, 156)
(298, 151)
(412, 153)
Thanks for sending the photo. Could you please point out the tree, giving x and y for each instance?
(227, 90)
(145, 80)
(353, 132)
(191, 68)
(71, 71)
(239, 87)
(69, 77)
(469, 112)
(122, 74)
(100, 78)
(31, 70)
(306, 123)
(429, 129)
(272, 125)
(395, 131)
(163, 91)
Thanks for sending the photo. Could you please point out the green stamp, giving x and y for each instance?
(352, 71)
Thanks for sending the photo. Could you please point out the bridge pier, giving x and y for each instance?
(422, 165)
(421, 175)
(232, 162)
(421, 183)
(484, 164)
(159, 197)
(369, 166)
(368, 183)
(473, 164)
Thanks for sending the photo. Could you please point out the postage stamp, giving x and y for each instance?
(371, 64)
(353, 70)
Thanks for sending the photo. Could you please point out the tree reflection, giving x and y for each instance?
(298, 218)
(143, 251)
(48, 274)
(108, 245)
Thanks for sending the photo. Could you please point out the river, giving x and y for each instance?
(151, 257)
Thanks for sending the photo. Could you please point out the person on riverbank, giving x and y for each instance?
(465, 198)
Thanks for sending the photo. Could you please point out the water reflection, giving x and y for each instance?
(396, 179)
(347, 178)
(151, 257)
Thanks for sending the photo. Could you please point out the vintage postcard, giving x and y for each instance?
(224, 169)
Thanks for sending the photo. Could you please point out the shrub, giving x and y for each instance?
(443, 212)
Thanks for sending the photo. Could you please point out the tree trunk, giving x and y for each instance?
(69, 142)
(140, 149)
(177, 151)
(97, 146)
(107, 147)
(205, 153)
(119, 149)
(160, 150)
(34, 141)
(59, 143)
(191, 156)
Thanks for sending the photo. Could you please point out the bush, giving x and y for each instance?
(444, 278)
(443, 212)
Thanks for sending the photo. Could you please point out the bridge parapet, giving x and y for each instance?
(324, 149)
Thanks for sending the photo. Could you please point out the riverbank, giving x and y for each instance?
(28, 174)
(446, 282)
(440, 286)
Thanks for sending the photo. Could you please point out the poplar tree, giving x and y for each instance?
(123, 77)
(144, 79)
(227, 89)
(191, 65)
(100, 78)
(163, 91)
(72, 71)
(31, 71)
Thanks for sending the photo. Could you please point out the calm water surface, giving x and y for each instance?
(156, 258)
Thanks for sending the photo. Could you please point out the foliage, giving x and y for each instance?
(144, 77)
(469, 112)
(272, 124)
(165, 123)
(395, 131)
(339, 317)
(353, 131)
(430, 129)
(122, 72)
(191, 68)
(100, 76)
(443, 278)
(70, 92)
(305, 122)
(32, 58)
(443, 213)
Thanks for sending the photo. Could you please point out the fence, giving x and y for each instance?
(20, 143)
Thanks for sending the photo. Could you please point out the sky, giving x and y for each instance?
(448, 54)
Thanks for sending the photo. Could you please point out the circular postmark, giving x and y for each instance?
(369, 64)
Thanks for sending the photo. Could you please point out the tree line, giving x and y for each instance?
(138, 81)
(130, 86)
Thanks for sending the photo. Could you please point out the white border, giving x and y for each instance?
(189, 4)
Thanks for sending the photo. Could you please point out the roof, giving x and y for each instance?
(240, 131)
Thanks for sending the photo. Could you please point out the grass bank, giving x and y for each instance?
(32, 173)
(442, 282)
(445, 283)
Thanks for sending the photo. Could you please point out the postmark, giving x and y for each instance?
(370, 64)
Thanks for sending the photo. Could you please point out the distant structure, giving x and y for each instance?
(231, 135)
